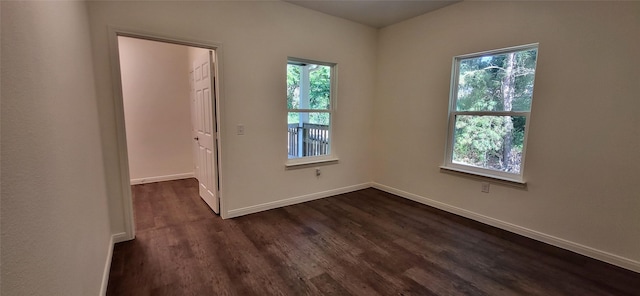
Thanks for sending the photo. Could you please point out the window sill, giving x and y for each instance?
(309, 161)
(482, 177)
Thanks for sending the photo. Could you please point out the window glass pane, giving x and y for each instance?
(500, 82)
(308, 134)
(490, 142)
(308, 86)
(320, 118)
(293, 86)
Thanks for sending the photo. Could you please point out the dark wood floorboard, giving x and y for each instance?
(366, 242)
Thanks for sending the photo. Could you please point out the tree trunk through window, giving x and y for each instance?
(508, 92)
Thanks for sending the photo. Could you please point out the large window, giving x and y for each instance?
(490, 104)
(309, 109)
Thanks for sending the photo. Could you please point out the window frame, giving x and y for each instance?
(452, 113)
(331, 156)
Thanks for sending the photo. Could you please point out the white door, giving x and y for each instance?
(204, 130)
(195, 147)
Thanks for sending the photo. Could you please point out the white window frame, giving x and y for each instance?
(331, 156)
(473, 170)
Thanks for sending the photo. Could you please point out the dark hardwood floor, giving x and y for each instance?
(362, 243)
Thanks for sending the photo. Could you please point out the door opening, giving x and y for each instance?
(196, 108)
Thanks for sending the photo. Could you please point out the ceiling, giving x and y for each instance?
(374, 13)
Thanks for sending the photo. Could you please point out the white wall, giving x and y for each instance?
(55, 223)
(256, 38)
(157, 109)
(582, 164)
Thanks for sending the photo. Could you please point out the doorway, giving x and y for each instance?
(169, 115)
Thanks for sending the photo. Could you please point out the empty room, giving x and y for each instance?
(320, 148)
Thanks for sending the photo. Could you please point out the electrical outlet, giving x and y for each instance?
(485, 187)
(318, 173)
(240, 129)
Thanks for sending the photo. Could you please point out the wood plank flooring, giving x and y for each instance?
(362, 243)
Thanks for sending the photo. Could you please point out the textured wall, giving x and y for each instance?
(55, 223)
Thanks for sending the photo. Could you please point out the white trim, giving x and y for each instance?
(499, 51)
(311, 160)
(463, 169)
(162, 178)
(107, 266)
(452, 113)
(620, 261)
(300, 61)
(333, 106)
(121, 237)
(491, 113)
(294, 200)
(121, 137)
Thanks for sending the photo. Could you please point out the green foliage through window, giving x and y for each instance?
(309, 108)
(319, 91)
(491, 102)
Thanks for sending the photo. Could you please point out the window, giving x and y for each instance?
(310, 104)
(490, 104)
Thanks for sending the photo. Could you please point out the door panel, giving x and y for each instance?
(194, 126)
(205, 135)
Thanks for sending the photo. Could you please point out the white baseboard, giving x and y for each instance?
(294, 200)
(107, 267)
(162, 178)
(120, 237)
(539, 236)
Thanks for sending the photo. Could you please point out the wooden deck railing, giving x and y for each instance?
(307, 140)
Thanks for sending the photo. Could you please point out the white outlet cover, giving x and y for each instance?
(485, 187)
